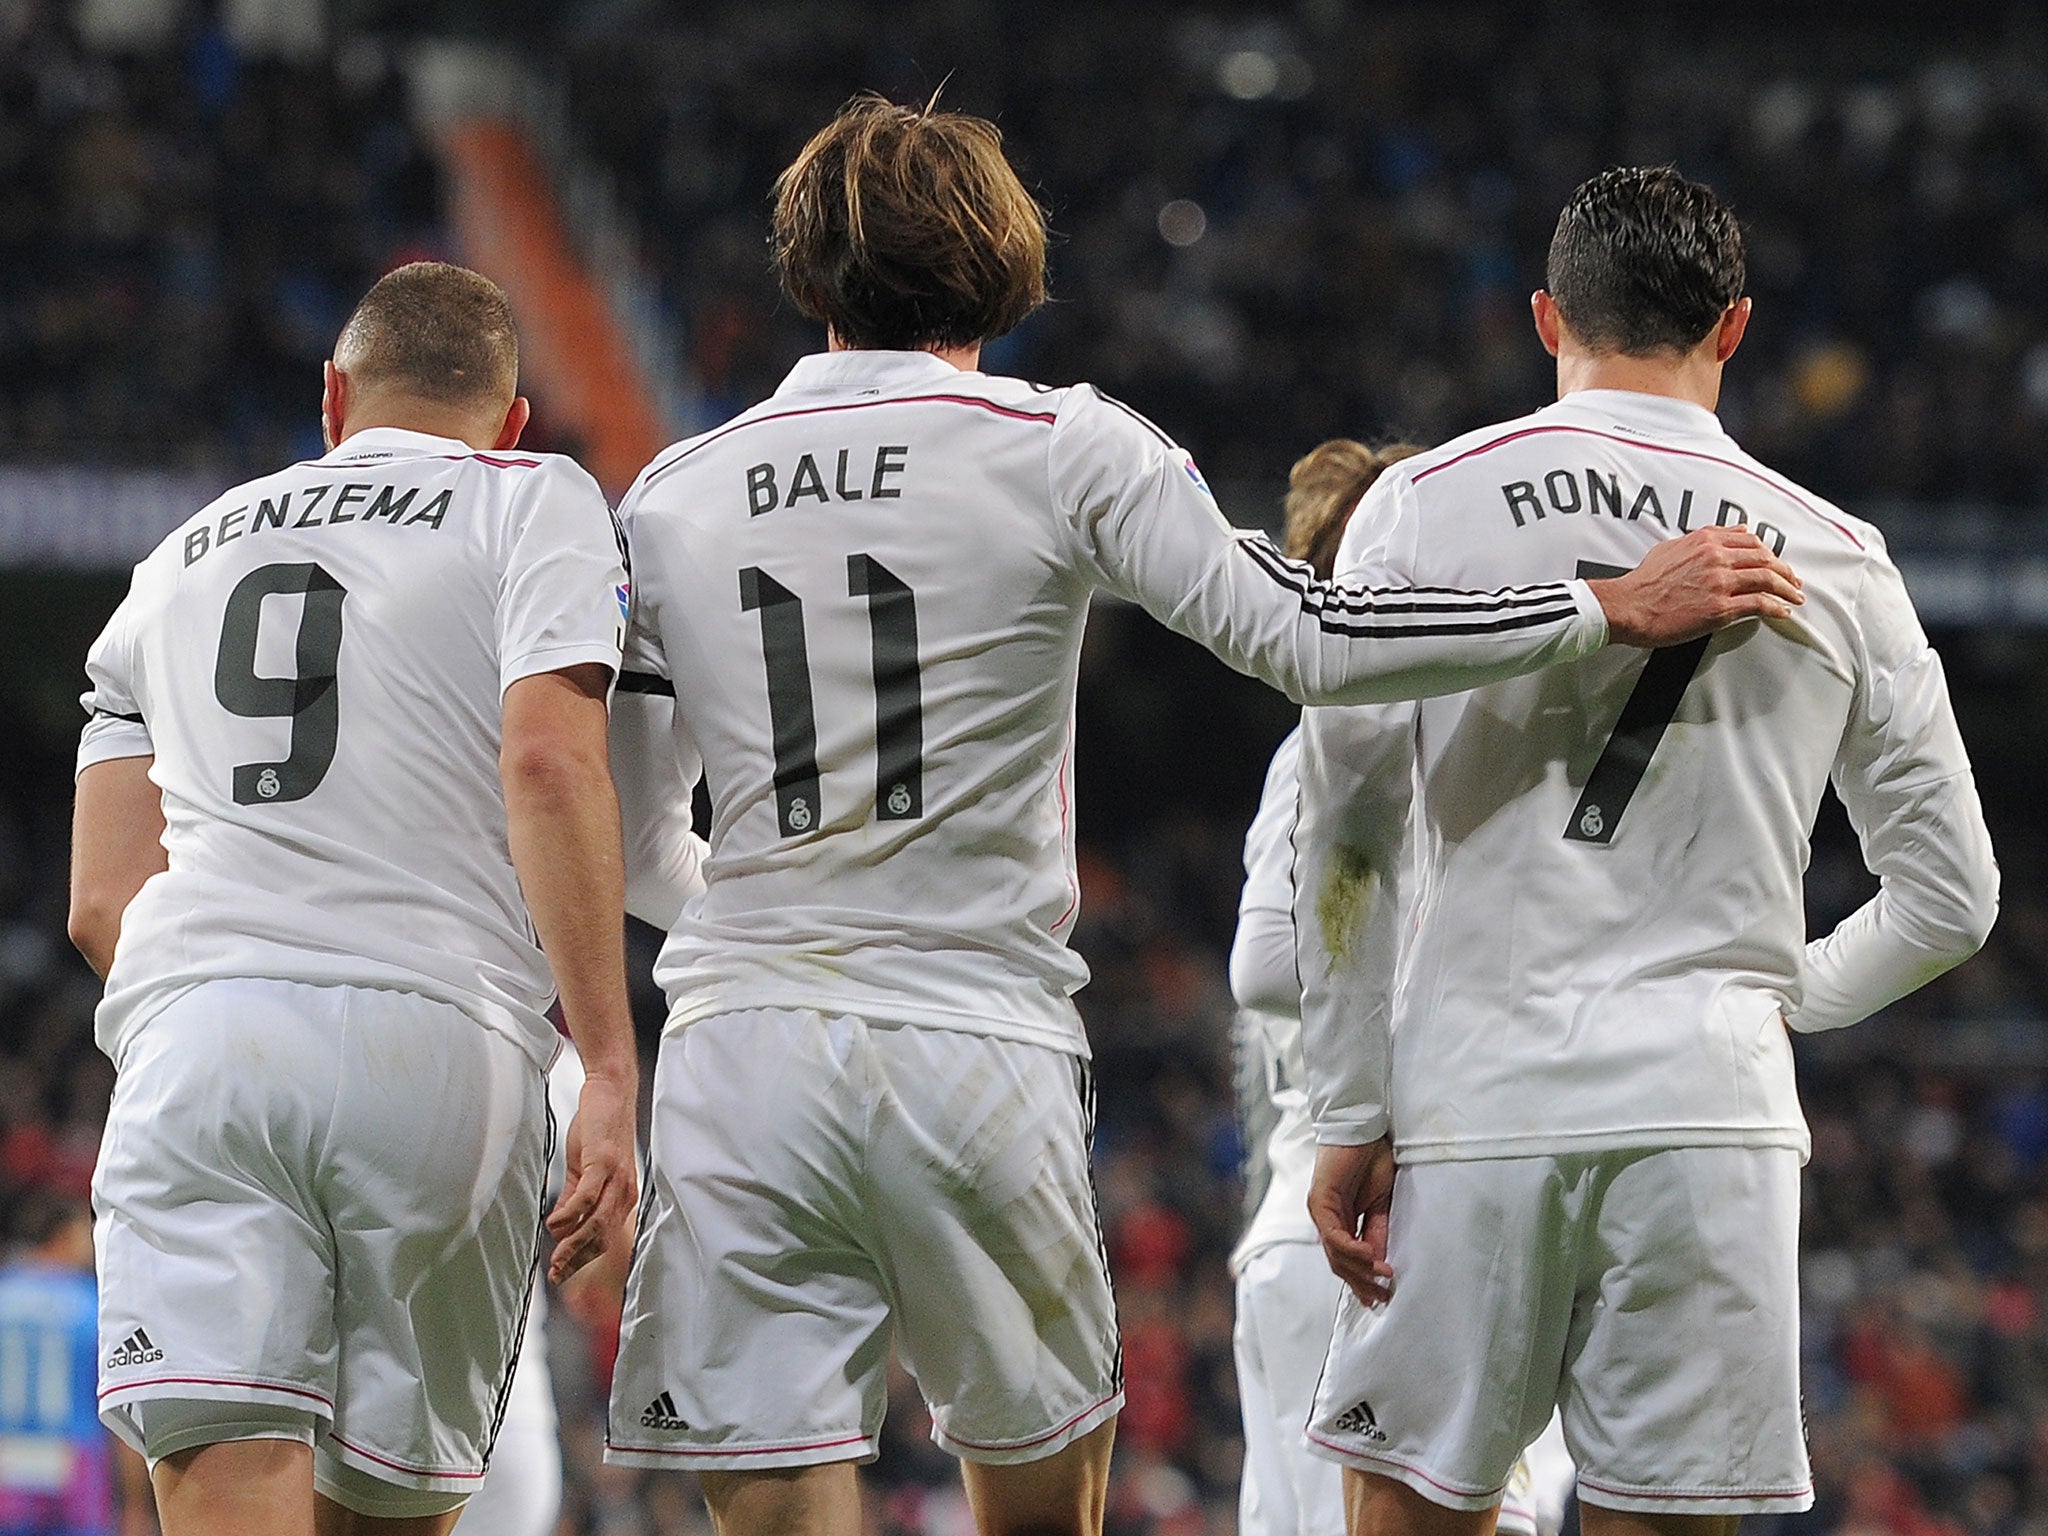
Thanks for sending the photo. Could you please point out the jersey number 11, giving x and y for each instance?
(899, 704)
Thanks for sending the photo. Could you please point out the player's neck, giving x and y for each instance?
(967, 359)
(1690, 377)
(421, 416)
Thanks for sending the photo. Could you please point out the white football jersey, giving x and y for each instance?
(1599, 923)
(316, 662)
(1267, 987)
(869, 593)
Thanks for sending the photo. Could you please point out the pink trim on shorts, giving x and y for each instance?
(732, 1450)
(1496, 1496)
(218, 1381)
(399, 1466)
(1669, 1496)
(1025, 1445)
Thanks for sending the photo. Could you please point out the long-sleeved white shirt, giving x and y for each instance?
(868, 594)
(1267, 988)
(1590, 880)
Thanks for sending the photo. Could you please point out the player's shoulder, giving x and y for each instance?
(1096, 437)
(1091, 406)
(518, 473)
(1839, 531)
(194, 534)
(1465, 449)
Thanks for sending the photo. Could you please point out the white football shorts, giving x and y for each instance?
(818, 1180)
(1286, 1305)
(1652, 1296)
(318, 1217)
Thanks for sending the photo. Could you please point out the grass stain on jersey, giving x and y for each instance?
(1345, 900)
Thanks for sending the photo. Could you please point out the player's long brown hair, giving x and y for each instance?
(905, 227)
(1323, 490)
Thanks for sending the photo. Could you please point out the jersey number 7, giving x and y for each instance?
(899, 702)
(1647, 714)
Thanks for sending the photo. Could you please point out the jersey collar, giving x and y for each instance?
(867, 370)
(392, 443)
(1634, 412)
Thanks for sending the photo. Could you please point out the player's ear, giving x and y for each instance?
(516, 418)
(333, 403)
(1728, 334)
(1544, 308)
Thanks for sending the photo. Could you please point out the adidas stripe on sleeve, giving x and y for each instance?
(1145, 525)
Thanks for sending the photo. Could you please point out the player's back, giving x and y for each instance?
(1608, 915)
(873, 624)
(318, 659)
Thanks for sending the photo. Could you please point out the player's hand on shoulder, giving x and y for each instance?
(1352, 1192)
(595, 1214)
(1693, 585)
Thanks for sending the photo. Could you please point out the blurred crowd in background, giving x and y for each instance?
(1327, 218)
(1273, 227)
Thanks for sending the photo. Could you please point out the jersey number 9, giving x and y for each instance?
(311, 700)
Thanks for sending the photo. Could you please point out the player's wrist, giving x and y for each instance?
(618, 1070)
(1618, 600)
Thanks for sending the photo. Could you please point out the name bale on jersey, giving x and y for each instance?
(315, 509)
(1597, 493)
(804, 480)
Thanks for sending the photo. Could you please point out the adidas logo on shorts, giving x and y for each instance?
(136, 1349)
(1358, 1420)
(661, 1414)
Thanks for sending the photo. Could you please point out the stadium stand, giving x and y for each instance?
(182, 232)
(1299, 223)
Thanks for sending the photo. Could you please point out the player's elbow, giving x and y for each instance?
(1974, 917)
(1263, 976)
(94, 924)
(1958, 924)
(551, 770)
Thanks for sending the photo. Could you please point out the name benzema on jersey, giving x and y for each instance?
(315, 510)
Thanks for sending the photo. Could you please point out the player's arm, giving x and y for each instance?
(1263, 976)
(117, 817)
(117, 828)
(1354, 805)
(1146, 528)
(563, 823)
(1353, 812)
(1905, 778)
(664, 854)
(561, 627)
(655, 763)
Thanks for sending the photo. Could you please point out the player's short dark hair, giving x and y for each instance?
(434, 331)
(1644, 261)
(904, 227)
(1323, 490)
